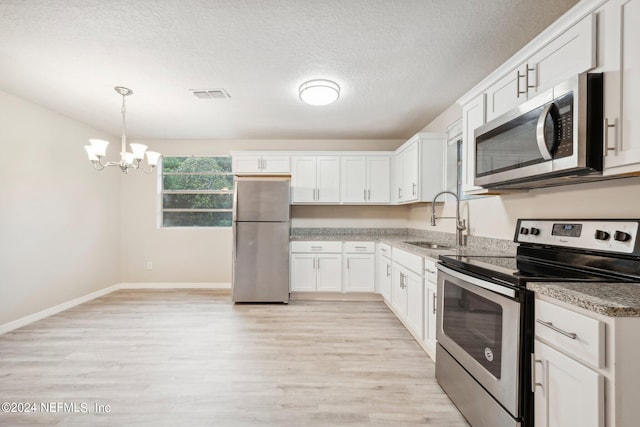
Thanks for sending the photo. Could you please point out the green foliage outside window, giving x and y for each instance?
(197, 192)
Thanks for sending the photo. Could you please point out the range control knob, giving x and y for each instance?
(621, 236)
(524, 230)
(602, 235)
(535, 231)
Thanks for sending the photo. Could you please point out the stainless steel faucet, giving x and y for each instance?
(460, 224)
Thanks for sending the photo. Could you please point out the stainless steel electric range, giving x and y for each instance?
(485, 313)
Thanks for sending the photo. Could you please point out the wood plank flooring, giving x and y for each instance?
(191, 358)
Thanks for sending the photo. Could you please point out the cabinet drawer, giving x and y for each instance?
(317, 246)
(571, 332)
(359, 247)
(430, 271)
(384, 250)
(411, 261)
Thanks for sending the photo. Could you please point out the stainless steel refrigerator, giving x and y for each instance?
(261, 223)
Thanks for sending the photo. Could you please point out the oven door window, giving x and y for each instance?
(510, 146)
(475, 324)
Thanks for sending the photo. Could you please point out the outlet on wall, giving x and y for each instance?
(149, 265)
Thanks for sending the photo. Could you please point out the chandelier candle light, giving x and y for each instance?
(128, 160)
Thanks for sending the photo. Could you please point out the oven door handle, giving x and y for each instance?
(494, 287)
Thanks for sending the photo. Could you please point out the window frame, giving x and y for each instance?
(162, 192)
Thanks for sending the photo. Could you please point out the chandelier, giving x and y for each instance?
(128, 160)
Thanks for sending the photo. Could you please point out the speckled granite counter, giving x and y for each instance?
(609, 299)
(398, 238)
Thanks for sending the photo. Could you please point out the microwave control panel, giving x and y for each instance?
(619, 236)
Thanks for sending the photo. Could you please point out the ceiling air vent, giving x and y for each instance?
(209, 93)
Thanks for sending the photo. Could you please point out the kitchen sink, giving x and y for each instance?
(429, 245)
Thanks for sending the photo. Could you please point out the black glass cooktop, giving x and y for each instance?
(521, 269)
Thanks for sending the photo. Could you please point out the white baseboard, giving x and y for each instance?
(23, 321)
(163, 285)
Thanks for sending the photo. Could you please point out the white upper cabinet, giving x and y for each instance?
(418, 168)
(379, 179)
(473, 116)
(619, 26)
(396, 178)
(365, 179)
(260, 163)
(315, 179)
(410, 172)
(571, 53)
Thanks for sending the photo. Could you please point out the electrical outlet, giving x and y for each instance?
(149, 265)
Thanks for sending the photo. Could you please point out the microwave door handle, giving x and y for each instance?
(542, 144)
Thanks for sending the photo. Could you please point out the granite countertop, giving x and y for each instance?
(493, 247)
(609, 299)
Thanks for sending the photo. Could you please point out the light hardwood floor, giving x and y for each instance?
(191, 358)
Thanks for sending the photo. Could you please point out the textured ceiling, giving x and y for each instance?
(400, 63)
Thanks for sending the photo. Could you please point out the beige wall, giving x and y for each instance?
(496, 216)
(60, 220)
(203, 255)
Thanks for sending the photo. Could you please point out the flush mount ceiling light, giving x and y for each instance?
(319, 92)
(128, 160)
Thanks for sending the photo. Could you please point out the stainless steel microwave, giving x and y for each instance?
(552, 139)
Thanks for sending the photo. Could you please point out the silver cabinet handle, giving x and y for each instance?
(361, 248)
(414, 189)
(550, 325)
(526, 79)
(534, 384)
(264, 164)
(388, 273)
(316, 248)
(518, 91)
(434, 304)
(369, 194)
(402, 285)
(431, 271)
(399, 193)
(348, 263)
(605, 143)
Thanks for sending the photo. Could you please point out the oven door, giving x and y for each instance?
(478, 324)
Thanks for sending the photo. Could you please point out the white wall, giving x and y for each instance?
(496, 216)
(59, 218)
(203, 255)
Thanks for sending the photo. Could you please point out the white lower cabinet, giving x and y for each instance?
(328, 273)
(584, 367)
(398, 292)
(407, 287)
(359, 267)
(332, 266)
(430, 305)
(415, 307)
(316, 266)
(567, 392)
(383, 271)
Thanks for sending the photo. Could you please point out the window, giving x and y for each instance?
(197, 191)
